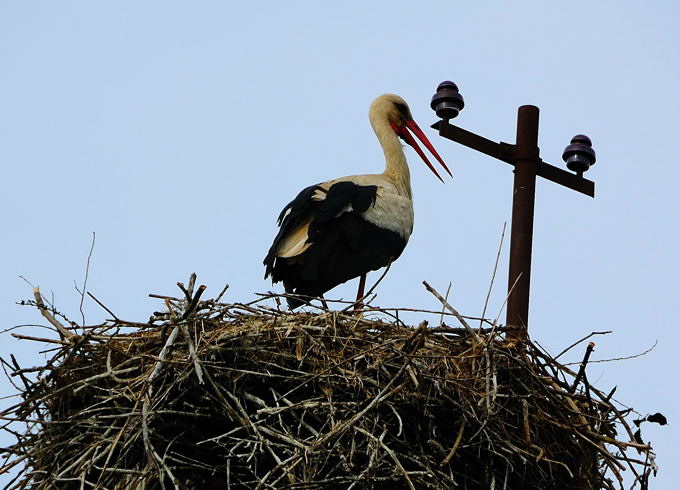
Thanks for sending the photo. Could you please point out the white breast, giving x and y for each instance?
(391, 212)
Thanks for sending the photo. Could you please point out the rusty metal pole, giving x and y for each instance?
(526, 156)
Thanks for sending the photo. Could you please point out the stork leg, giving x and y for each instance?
(360, 293)
(323, 302)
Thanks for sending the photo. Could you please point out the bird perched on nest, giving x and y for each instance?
(343, 228)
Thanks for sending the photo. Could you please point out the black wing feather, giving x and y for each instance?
(288, 221)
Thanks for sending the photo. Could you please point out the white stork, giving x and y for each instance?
(341, 229)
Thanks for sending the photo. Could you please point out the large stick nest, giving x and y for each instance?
(213, 396)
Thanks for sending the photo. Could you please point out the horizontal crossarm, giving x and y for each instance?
(505, 153)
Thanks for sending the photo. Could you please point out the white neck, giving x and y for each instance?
(396, 167)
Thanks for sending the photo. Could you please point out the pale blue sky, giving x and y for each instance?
(176, 131)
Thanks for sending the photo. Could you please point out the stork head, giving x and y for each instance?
(395, 111)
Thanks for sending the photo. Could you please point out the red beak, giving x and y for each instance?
(403, 133)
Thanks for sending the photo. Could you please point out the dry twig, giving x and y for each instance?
(63, 331)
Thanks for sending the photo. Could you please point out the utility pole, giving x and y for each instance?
(524, 155)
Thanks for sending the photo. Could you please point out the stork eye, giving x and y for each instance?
(402, 108)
